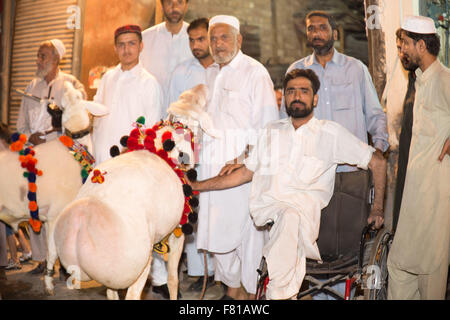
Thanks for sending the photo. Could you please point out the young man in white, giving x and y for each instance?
(292, 169)
(128, 91)
(199, 70)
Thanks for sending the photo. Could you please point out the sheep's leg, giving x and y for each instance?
(112, 294)
(135, 290)
(176, 249)
(51, 259)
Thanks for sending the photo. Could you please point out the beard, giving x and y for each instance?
(44, 71)
(225, 57)
(200, 54)
(323, 49)
(174, 17)
(408, 63)
(297, 113)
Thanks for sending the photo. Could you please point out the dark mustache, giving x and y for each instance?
(298, 101)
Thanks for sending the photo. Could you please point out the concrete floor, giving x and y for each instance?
(21, 285)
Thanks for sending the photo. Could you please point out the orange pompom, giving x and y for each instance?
(177, 232)
(67, 141)
(33, 206)
(32, 187)
(23, 138)
(22, 158)
(39, 173)
(35, 224)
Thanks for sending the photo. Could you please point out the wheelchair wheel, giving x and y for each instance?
(376, 273)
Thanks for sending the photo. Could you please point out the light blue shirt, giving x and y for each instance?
(347, 95)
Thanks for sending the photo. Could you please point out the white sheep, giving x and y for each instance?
(107, 233)
(61, 178)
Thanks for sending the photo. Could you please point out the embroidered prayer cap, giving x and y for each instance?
(419, 24)
(59, 46)
(230, 20)
(129, 28)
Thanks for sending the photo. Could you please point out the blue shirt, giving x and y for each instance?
(347, 95)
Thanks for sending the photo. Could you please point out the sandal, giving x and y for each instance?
(25, 257)
(13, 265)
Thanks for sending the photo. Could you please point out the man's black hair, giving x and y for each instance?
(303, 73)
(432, 41)
(318, 13)
(197, 23)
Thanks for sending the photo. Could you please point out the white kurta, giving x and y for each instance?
(187, 75)
(422, 239)
(163, 52)
(243, 100)
(33, 117)
(294, 172)
(127, 95)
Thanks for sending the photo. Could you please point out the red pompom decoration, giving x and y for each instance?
(166, 135)
(150, 133)
(132, 143)
(135, 133)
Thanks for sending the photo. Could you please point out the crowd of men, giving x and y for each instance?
(296, 176)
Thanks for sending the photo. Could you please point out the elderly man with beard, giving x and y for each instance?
(166, 45)
(292, 169)
(419, 257)
(198, 70)
(406, 129)
(242, 101)
(35, 121)
(347, 96)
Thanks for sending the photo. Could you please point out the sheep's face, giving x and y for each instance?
(75, 115)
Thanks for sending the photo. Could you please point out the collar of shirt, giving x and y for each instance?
(422, 77)
(338, 59)
(312, 124)
(182, 31)
(133, 72)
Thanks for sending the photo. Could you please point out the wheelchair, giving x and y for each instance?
(351, 251)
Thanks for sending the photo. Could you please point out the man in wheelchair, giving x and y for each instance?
(292, 168)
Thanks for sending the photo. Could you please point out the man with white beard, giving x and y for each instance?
(242, 100)
(35, 121)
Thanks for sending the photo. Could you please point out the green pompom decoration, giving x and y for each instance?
(25, 174)
(141, 120)
(22, 153)
(84, 173)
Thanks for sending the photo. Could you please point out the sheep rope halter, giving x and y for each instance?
(141, 138)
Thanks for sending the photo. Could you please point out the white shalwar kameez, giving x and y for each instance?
(128, 95)
(187, 75)
(294, 172)
(243, 101)
(162, 52)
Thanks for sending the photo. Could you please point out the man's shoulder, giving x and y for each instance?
(152, 30)
(147, 78)
(299, 64)
(253, 66)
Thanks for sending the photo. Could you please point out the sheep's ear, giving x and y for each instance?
(95, 108)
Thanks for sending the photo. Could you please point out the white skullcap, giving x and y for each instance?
(419, 24)
(59, 46)
(230, 20)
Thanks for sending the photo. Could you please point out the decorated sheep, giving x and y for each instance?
(38, 182)
(132, 202)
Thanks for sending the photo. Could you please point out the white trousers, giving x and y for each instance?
(194, 257)
(240, 265)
